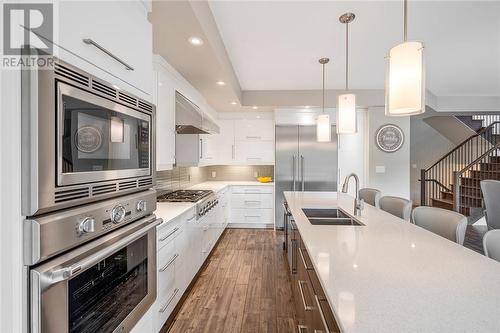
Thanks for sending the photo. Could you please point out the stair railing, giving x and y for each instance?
(466, 198)
(440, 176)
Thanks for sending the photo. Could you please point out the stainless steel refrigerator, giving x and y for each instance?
(302, 163)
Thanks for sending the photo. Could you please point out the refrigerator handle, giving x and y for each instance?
(294, 160)
(302, 171)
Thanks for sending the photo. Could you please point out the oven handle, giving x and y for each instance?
(66, 273)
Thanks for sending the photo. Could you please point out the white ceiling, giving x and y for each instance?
(275, 45)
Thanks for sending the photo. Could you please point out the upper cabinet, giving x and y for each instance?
(245, 142)
(113, 42)
(164, 98)
(254, 130)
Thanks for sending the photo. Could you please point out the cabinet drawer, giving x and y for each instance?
(164, 306)
(264, 200)
(252, 216)
(252, 189)
(166, 267)
(166, 234)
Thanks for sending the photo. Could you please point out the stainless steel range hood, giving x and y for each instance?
(189, 118)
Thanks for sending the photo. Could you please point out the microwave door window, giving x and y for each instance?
(99, 139)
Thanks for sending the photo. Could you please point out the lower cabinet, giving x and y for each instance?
(252, 206)
(313, 311)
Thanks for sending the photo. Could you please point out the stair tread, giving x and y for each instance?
(450, 202)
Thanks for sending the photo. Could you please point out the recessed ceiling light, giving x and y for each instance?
(221, 83)
(233, 103)
(254, 107)
(196, 41)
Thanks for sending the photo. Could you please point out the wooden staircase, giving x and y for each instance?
(463, 168)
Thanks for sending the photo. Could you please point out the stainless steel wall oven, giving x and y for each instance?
(86, 139)
(93, 267)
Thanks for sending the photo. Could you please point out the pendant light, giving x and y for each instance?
(405, 77)
(346, 107)
(323, 126)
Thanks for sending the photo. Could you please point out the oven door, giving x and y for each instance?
(99, 139)
(104, 286)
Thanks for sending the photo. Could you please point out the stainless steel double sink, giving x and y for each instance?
(329, 216)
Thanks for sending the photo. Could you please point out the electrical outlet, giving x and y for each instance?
(214, 174)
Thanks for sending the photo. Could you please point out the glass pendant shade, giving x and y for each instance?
(405, 81)
(346, 114)
(323, 128)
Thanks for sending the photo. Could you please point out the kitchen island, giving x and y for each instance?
(389, 275)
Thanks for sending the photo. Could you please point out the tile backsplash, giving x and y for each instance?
(237, 172)
(183, 177)
(180, 178)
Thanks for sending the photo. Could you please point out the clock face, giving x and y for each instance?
(389, 138)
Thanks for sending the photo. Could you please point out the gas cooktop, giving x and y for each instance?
(184, 196)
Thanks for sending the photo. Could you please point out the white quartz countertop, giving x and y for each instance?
(392, 276)
(168, 211)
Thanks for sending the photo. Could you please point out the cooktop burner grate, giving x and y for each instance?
(184, 196)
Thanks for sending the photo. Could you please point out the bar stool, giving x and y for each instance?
(443, 222)
(371, 196)
(396, 206)
(491, 193)
(491, 244)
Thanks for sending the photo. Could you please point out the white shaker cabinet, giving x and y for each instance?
(114, 47)
(165, 118)
(208, 149)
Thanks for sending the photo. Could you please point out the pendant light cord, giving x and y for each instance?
(347, 56)
(323, 88)
(405, 15)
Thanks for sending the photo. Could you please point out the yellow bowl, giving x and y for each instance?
(265, 179)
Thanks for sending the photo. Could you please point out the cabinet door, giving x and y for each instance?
(120, 27)
(254, 152)
(165, 120)
(225, 142)
(255, 129)
(208, 149)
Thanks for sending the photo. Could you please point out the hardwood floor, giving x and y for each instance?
(244, 287)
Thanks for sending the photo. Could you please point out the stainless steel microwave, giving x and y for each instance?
(84, 139)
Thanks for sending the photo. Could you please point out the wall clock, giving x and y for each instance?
(389, 138)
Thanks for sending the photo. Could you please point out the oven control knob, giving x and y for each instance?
(118, 214)
(141, 206)
(87, 225)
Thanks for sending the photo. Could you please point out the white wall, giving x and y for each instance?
(427, 147)
(396, 178)
(353, 153)
(11, 272)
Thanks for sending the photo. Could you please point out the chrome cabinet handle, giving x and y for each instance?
(304, 260)
(170, 262)
(294, 256)
(191, 218)
(169, 234)
(294, 171)
(323, 320)
(302, 171)
(232, 151)
(254, 137)
(201, 148)
(169, 300)
(90, 41)
(302, 328)
(306, 307)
